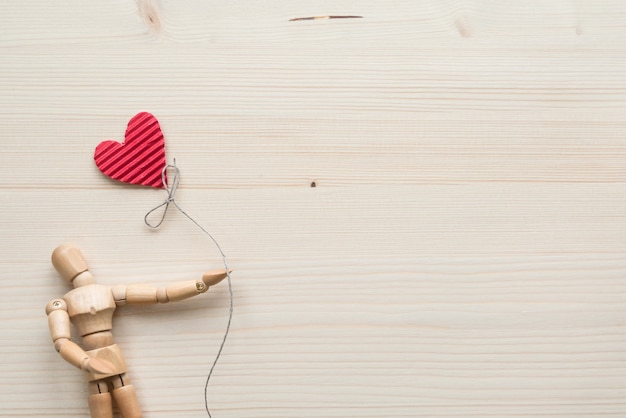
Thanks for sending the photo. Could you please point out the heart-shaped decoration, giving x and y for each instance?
(140, 159)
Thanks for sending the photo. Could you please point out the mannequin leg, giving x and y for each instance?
(125, 397)
(100, 403)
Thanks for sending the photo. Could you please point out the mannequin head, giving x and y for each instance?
(71, 265)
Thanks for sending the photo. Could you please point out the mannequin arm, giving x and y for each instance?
(136, 294)
(59, 324)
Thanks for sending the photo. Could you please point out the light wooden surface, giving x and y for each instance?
(463, 253)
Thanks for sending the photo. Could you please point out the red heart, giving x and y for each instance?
(140, 159)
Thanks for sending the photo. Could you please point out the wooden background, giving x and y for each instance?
(462, 254)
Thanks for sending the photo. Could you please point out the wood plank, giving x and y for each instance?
(461, 254)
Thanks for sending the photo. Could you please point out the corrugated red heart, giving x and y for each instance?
(140, 159)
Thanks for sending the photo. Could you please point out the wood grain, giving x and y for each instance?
(462, 253)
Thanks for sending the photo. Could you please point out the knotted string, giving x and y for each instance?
(171, 192)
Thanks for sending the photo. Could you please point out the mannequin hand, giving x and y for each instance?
(213, 277)
(97, 365)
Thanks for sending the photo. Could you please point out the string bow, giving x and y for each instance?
(171, 197)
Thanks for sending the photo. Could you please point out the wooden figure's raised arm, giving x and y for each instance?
(138, 294)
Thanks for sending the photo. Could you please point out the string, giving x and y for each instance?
(171, 199)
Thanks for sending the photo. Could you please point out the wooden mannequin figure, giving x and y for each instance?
(90, 306)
